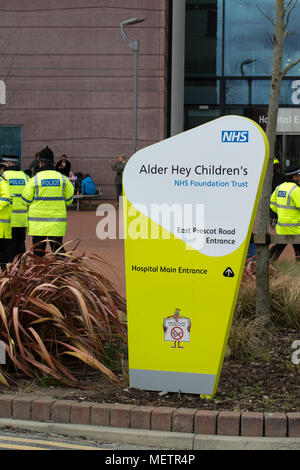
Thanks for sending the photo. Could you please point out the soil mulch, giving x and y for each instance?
(268, 384)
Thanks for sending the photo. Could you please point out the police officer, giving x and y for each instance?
(278, 178)
(19, 221)
(285, 202)
(5, 217)
(47, 194)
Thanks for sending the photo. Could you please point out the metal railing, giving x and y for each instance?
(269, 239)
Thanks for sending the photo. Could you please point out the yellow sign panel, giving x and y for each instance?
(190, 207)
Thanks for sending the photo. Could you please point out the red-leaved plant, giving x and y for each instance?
(58, 314)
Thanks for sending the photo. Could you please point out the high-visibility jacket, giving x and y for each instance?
(47, 194)
(5, 209)
(17, 180)
(285, 202)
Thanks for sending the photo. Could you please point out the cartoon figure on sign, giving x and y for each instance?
(177, 329)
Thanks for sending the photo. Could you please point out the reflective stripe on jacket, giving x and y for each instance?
(5, 209)
(17, 181)
(47, 195)
(285, 201)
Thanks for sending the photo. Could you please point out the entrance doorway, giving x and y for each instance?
(287, 150)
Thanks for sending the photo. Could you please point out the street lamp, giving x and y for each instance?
(135, 46)
(247, 62)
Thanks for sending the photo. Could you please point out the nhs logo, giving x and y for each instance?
(235, 136)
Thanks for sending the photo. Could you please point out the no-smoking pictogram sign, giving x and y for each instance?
(177, 333)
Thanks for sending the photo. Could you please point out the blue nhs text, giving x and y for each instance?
(235, 136)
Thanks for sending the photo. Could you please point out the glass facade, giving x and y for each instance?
(11, 141)
(228, 62)
(247, 32)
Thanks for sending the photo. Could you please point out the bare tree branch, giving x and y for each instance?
(269, 18)
(288, 13)
(289, 67)
(271, 38)
(289, 3)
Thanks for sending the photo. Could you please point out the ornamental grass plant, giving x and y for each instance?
(248, 338)
(59, 316)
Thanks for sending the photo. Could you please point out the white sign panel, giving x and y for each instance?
(213, 165)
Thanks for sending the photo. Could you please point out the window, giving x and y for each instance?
(248, 46)
(197, 117)
(11, 141)
(228, 59)
(202, 91)
(203, 38)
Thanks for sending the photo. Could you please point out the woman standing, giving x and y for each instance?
(119, 168)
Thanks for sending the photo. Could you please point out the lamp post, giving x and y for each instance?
(135, 46)
(247, 62)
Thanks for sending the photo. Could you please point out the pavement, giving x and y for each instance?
(154, 439)
(24, 439)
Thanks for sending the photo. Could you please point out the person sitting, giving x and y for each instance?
(72, 178)
(79, 178)
(88, 186)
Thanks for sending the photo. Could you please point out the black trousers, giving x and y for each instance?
(40, 243)
(6, 252)
(276, 251)
(18, 240)
(119, 191)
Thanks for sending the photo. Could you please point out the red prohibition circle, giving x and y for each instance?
(177, 333)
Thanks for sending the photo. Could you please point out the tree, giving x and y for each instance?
(284, 9)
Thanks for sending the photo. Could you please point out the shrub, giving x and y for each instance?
(57, 315)
(247, 337)
(245, 340)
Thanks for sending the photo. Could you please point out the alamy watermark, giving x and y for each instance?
(296, 354)
(2, 92)
(155, 222)
(2, 353)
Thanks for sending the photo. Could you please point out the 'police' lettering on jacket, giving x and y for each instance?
(50, 182)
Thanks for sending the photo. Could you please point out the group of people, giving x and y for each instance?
(63, 166)
(34, 201)
(35, 205)
(83, 183)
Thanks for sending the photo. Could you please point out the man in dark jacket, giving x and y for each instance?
(63, 166)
